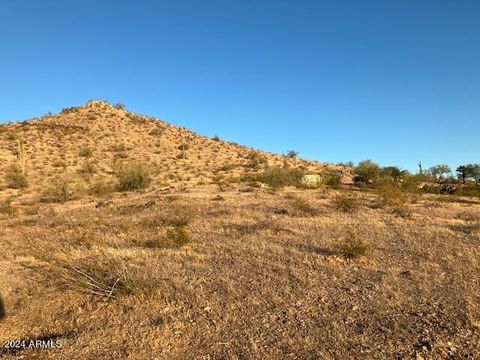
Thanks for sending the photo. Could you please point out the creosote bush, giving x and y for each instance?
(389, 194)
(86, 152)
(178, 236)
(59, 190)
(132, 176)
(278, 177)
(88, 168)
(156, 132)
(352, 246)
(118, 148)
(333, 180)
(345, 203)
(14, 177)
(102, 188)
(255, 160)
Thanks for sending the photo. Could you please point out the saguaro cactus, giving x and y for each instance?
(22, 160)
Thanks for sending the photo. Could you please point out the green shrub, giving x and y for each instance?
(412, 183)
(333, 179)
(118, 148)
(132, 176)
(86, 152)
(59, 164)
(156, 132)
(88, 168)
(292, 154)
(367, 171)
(345, 203)
(389, 194)
(278, 177)
(178, 236)
(14, 177)
(101, 188)
(59, 191)
(255, 160)
(352, 247)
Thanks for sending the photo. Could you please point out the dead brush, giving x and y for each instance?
(7, 209)
(101, 273)
(304, 207)
(178, 216)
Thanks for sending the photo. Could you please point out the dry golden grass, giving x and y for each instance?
(259, 275)
(230, 270)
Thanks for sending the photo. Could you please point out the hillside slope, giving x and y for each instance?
(102, 134)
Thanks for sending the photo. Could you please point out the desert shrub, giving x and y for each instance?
(156, 132)
(183, 147)
(292, 154)
(102, 188)
(303, 206)
(227, 167)
(59, 164)
(6, 208)
(366, 171)
(14, 177)
(389, 194)
(178, 216)
(11, 135)
(86, 152)
(345, 203)
(132, 176)
(178, 236)
(59, 190)
(352, 246)
(332, 179)
(88, 168)
(216, 138)
(118, 147)
(278, 177)
(255, 160)
(103, 274)
(412, 183)
(120, 155)
(119, 106)
(181, 155)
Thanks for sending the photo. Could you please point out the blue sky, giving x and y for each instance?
(393, 81)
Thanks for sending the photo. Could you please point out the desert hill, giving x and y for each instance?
(199, 265)
(97, 135)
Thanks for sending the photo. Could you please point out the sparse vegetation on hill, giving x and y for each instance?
(226, 252)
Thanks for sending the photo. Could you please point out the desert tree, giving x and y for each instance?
(292, 154)
(440, 171)
(462, 172)
(469, 171)
(367, 171)
(392, 172)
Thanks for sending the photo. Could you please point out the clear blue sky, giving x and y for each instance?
(394, 81)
